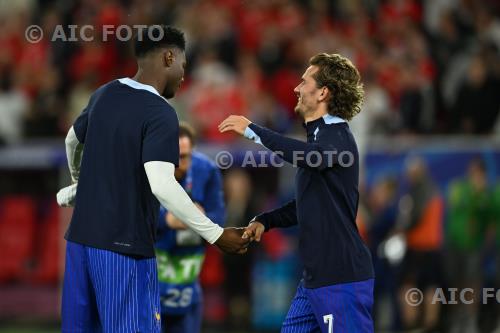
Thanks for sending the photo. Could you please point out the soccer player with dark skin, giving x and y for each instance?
(336, 292)
(122, 152)
(165, 71)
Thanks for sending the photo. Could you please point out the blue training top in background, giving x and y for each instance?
(180, 253)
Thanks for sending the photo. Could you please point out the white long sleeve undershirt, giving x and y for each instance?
(163, 185)
(74, 152)
(173, 197)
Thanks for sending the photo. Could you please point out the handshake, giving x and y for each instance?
(237, 240)
(232, 240)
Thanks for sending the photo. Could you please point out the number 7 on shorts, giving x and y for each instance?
(328, 319)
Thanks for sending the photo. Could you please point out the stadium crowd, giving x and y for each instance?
(428, 66)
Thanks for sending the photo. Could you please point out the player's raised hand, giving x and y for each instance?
(254, 231)
(232, 242)
(234, 123)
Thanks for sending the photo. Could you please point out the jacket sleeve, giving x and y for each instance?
(317, 155)
(283, 217)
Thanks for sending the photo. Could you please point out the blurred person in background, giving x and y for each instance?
(375, 119)
(78, 97)
(336, 261)
(180, 251)
(213, 95)
(420, 217)
(47, 108)
(471, 212)
(240, 209)
(416, 115)
(382, 214)
(478, 101)
(13, 107)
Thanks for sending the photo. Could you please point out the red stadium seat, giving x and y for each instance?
(47, 252)
(17, 228)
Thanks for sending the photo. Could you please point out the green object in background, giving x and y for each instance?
(178, 269)
(470, 214)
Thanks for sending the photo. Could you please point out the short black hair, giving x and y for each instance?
(186, 130)
(157, 36)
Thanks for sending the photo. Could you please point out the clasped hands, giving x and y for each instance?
(232, 240)
(237, 240)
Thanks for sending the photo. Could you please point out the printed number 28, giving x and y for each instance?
(328, 319)
(178, 298)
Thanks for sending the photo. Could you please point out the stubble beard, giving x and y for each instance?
(297, 110)
(301, 110)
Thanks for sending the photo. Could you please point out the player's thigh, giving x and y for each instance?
(126, 291)
(300, 317)
(343, 307)
(78, 308)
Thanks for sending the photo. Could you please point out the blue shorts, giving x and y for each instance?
(189, 322)
(105, 291)
(339, 308)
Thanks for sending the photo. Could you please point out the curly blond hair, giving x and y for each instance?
(342, 79)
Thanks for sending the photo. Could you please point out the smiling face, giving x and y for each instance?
(174, 71)
(308, 94)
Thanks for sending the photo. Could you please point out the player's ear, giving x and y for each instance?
(168, 58)
(324, 94)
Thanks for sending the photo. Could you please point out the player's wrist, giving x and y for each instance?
(216, 234)
(262, 220)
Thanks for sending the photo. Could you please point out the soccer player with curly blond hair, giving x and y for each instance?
(336, 292)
